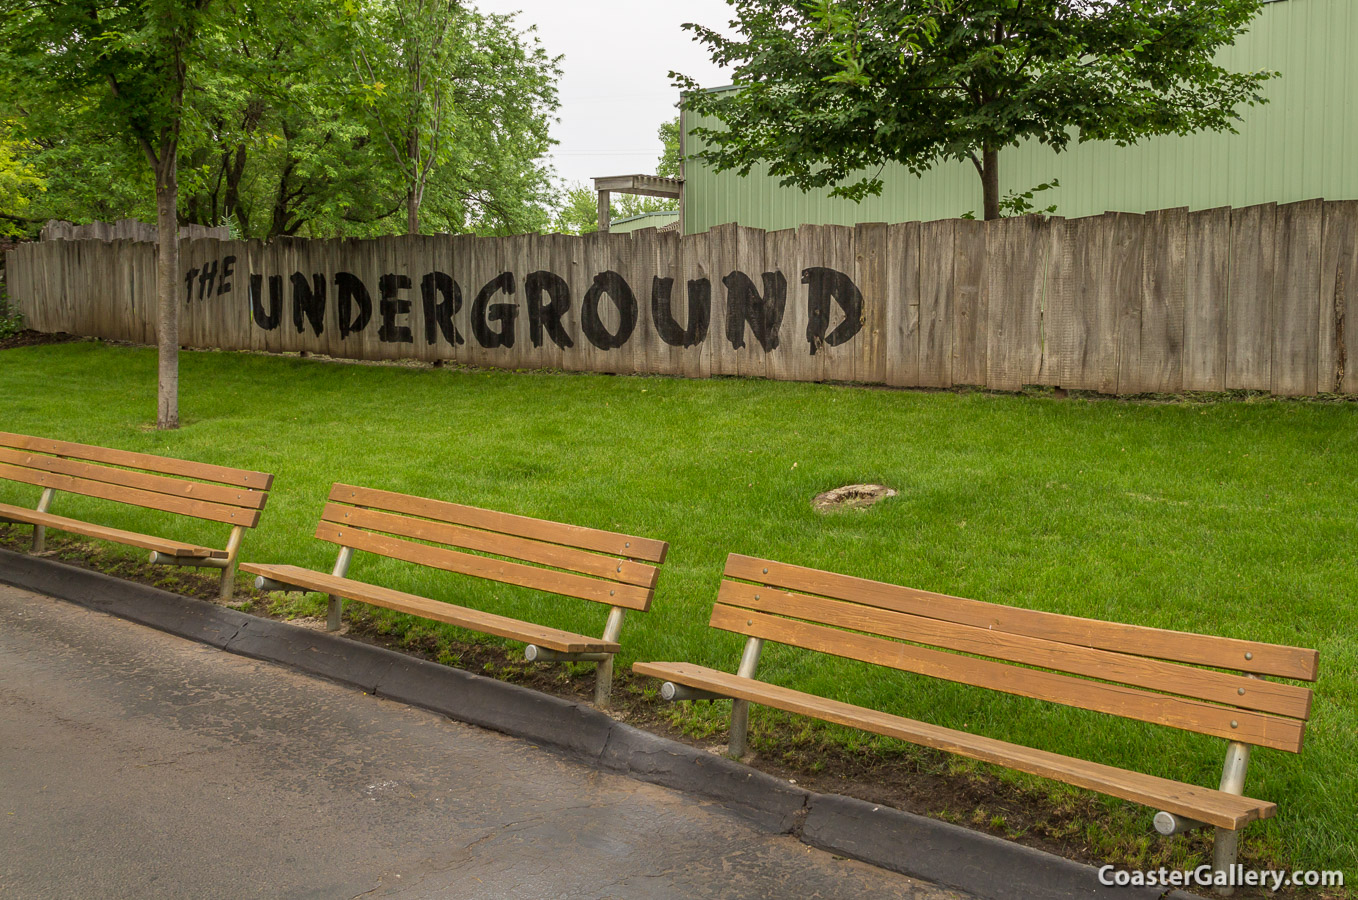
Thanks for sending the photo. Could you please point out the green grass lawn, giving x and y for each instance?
(1229, 518)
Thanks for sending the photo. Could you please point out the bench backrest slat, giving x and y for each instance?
(570, 584)
(1177, 646)
(1137, 671)
(202, 509)
(160, 484)
(164, 465)
(1233, 724)
(505, 523)
(554, 555)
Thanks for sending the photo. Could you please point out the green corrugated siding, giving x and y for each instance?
(1302, 145)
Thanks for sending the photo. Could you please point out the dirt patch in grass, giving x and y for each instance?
(852, 496)
(1076, 824)
(30, 338)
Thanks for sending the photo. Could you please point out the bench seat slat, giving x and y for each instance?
(117, 535)
(165, 465)
(202, 509)
(565, 583)
(1178, 646)
(1204, 804)
(1202, 684)
(1132, 703)
(461, 616)
(507, 523)
(160, 484)
(582, 561)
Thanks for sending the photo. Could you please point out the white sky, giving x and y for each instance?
(615, 86)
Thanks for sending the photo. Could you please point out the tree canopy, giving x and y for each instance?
(286, 131)
(831, 90)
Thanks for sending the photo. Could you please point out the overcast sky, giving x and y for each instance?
(615, 86)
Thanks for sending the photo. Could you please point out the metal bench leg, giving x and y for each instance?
(228, 585)
(40, 531)
(336, 607)
(1227, 841)
(740, 709)
(603, 671)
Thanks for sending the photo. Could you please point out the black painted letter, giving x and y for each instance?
(699, 311)
(267, 320)
(825, 284)
(764, 314)
(484, 312)
(228, 269)
(393, 306)
(350, 289)
(592, 324)
(308, 301)
(548, 314)
(438, 317)
(207, 280)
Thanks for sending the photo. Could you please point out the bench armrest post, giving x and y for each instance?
(1227, 843)
(336, 606)
(40, 531)
(603, 672)
(228, 585)
(740, 709)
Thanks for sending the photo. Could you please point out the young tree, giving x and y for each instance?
(18, 184)
(671, 163)
(131, 58)
(431, 70)
(578, 212)
(831, 90)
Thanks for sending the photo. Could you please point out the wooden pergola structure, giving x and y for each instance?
(645, 185)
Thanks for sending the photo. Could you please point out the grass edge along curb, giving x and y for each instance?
(947, 854)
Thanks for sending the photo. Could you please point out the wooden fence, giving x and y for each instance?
(1254, 299)
(123, 230)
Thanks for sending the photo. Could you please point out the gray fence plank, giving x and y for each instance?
(1249, 310)
(1163, 288)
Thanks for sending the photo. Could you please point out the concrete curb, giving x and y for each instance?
(971, 861)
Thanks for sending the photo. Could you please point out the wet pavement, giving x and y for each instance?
(138, 764)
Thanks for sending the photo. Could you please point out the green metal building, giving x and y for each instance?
(659, 219)
(1302, 145)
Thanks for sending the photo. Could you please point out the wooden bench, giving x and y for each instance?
(232, 496)
(1138, 673)
(608, 568)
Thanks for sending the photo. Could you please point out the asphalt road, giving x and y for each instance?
(137, 764)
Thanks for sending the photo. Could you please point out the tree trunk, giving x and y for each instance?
(167, 290)
(990, 183)
(416, 191)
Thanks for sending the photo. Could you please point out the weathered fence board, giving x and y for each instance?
(1128, 244)
(970, 293)
(1264, 298)
(901, 320)
(1162, 302)
(1016, 257)
(937, 317)
(1206, 286)
(1296, 299)
(1337, 371)
(1249, 312)
(124, 230)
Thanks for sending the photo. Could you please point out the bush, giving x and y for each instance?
(11, 323)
